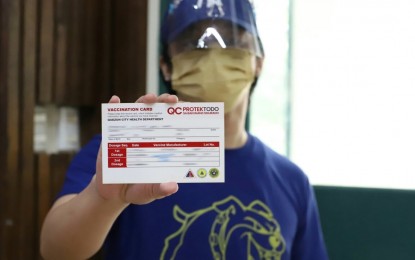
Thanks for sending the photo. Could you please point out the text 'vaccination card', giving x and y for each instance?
(160, 142)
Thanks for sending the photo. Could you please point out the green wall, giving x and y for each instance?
(367, 224)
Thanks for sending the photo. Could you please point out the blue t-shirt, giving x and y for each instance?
(266, 209)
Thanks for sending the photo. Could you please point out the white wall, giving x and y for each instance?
(153, 32)
(354, 92)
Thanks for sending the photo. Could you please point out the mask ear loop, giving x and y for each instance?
(210, 32)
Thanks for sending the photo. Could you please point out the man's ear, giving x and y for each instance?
(258, 68)
(165, 69)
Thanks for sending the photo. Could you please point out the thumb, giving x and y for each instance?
(145, 193)
(164, 189)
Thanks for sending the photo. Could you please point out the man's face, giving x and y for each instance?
(232, 35)
(214, 34)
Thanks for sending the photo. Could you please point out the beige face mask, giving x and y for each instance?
(213, 75)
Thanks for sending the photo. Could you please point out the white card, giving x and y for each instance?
(154, 143)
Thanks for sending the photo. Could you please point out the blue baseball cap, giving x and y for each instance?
(180, 14)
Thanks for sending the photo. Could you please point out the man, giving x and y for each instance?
(265, 209)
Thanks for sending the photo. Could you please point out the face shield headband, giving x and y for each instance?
(200, 24)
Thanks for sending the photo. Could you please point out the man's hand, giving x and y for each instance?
(90, 214)
(135, 193)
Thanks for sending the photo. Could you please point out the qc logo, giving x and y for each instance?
(213, 172)
(202, 173)
(174, 110)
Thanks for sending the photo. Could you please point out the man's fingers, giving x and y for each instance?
(114, 99)
(163, 98)
(167, 98)
(148, 98)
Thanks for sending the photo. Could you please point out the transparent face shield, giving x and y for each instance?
(198, 24)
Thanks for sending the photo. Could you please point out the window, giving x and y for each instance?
(269, 112)
(353, 92)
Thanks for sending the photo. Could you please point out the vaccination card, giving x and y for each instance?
(160, 142)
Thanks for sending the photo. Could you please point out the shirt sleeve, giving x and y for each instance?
(309, 241)
(82, 168)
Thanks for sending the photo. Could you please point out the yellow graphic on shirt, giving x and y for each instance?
(229, 220)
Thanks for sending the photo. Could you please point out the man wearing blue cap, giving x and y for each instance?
(266, 209)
